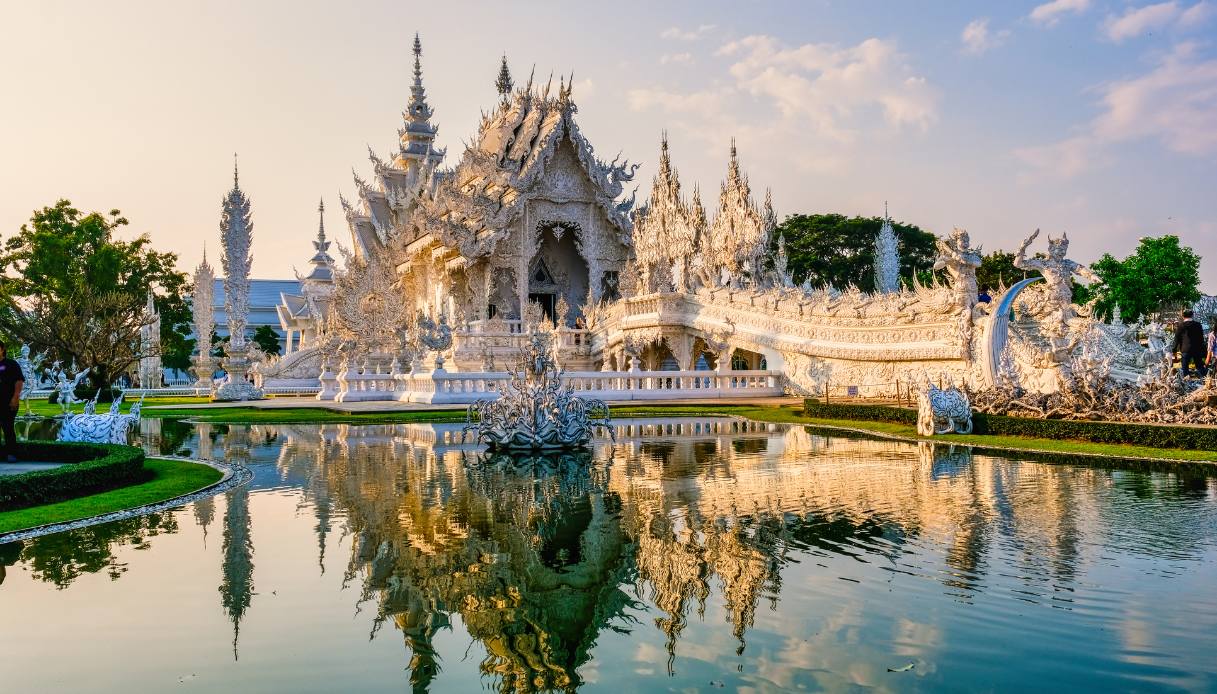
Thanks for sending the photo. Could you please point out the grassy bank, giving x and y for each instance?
(46, 409)
(786, 414)
(170, 478)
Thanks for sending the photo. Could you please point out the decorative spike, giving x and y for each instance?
(504, 84)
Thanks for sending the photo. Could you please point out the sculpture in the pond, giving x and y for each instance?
(536, 411)
(111, 427)
(943, 410)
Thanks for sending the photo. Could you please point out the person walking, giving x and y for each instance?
(1189, 343)
(1211, 362)
(11, 383)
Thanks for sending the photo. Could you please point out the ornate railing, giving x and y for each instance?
(467, 387)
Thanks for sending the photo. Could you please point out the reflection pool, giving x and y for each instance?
(693, 554)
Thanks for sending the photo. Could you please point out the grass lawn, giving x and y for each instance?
(46, 409)
(171, 478)
(792, 414)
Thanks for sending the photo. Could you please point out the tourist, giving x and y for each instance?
(11, 383)
(1189, 343)
(983, 297)
(1211, 362)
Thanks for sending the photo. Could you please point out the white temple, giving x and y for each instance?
(451, 266)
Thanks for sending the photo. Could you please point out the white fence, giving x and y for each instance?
(446, 387)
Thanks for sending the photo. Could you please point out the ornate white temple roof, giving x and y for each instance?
(470, 207)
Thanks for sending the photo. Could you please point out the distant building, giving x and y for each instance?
(264, 299)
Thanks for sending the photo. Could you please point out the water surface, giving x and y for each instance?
(700, 554)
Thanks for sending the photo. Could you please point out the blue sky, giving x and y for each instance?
(1096, 118)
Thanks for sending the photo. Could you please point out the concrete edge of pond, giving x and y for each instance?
(1031, 453)
(234, 475)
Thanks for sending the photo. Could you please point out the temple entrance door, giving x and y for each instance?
(548, 304)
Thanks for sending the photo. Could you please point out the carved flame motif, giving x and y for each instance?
(536, 411)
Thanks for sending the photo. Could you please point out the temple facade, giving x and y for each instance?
(452, 264)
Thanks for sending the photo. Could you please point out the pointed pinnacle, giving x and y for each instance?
(235, 178)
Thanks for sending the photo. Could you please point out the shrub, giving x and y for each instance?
(88, 468)
(1152, 435)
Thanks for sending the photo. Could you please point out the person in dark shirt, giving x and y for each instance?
(1189, 343)
(11, 383)
(983, 297)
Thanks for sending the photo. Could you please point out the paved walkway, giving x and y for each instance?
(18, 468)
(392, 406)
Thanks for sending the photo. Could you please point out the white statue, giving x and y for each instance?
(960, 260)
(943, 410)
(1058, 272)
(111, 427)
(536, 411)
(29, 374)
(66, 386)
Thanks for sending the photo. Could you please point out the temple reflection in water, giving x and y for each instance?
(681, 522)
(539, 557)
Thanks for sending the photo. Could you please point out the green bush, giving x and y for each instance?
(89, 468)
(1152, 435)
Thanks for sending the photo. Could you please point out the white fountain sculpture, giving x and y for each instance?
(943, 410)
(536, 411)
(90, 427)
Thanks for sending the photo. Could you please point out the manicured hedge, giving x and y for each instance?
(1153, 435)
(89, 468)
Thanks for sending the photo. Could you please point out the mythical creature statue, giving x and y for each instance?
(943, 410)
(67, 386)
(435, 336)
(29, 374)
(960, 260)
(90, 427)
(536, 411)
(1058, 272)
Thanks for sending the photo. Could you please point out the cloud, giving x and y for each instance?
(684, 58)
(1175, 103)
(1050, 13)
(1140, 20)
(833, 88)
(686, 34)
(977, 39)
(1058, 161)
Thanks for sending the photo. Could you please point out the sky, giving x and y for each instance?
(1092, 117)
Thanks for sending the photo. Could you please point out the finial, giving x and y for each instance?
(733, 152)
(885, 215)
(321, 221)
(504, 82)
(235, 181)
(418, 52)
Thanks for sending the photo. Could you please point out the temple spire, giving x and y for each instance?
(236, 178)
(503, 83)
(887, 257)
(417, 137)
(321, 223)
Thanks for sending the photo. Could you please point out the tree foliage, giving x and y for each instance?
(997, 270)
(267, 339)
(68, 286)
(1160, 275)
(839, 250)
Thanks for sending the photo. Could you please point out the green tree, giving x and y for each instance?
(839, 250)
(1161, 275)
(68, 286)
(997, 270)
(267, 339)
